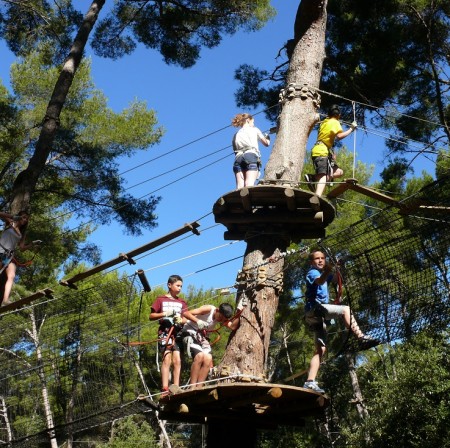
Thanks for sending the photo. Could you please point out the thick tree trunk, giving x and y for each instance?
(300, 102)
(247, 349)
(26, 181)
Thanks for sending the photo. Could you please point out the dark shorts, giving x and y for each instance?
(248, 161)
(324, 165)
(172, 343)
(318, 316)
(168, 346)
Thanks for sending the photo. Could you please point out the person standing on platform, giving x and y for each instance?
(318, 310)
(168, 309)
(323, 156)
(247, 161)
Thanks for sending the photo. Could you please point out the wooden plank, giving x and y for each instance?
(307, 217)
(189, 227)
(374, 194)
(341, 188)
(262, 404)
(290, 199)
(245, 198)
(26, 300)
(352, 184)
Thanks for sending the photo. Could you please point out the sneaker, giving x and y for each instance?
(367, 342)
(312, 385)
(174, 389)
(309, 183)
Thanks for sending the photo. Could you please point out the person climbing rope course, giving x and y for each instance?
(12, 238)
(318, 310)
(168, 309)
(323, 156)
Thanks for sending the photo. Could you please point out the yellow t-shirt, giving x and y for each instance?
(328, 130)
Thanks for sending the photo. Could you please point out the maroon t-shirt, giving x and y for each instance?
(164, 303)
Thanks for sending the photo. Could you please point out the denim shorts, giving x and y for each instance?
(248, 161)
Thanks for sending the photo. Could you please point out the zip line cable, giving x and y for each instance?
(176, 168)
(174, 150)
(201, 138)
(208, 155)
(377, 108)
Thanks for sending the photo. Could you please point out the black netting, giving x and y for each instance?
(395, 266)
(71, 352)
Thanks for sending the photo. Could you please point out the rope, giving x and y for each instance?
(191, 256)
(354, 140)
(369, 106)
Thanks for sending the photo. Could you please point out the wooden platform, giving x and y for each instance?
(274, 210)
(260, 405)
(26, 300)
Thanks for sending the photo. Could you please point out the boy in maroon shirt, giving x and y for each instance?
(169, 309)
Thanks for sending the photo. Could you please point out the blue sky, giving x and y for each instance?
(194, 105)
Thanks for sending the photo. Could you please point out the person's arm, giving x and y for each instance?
(233, 324)
(263, 138)
(156, 311)
(156, 315)
(343, 134)
(7, 217)
(191, 315)
(324, 276)
(30, 246)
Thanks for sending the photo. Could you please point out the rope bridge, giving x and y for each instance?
(395, 266)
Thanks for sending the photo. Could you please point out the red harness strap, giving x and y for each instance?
(338, 298)
(216, 330)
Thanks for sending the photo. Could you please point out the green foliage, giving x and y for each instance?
(176, 30)
(404, 73)
(131, 432)
(82, 173)
(27, 25)
(411, 406)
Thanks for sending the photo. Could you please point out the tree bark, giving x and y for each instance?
(299, 107)
(247, 349)
(4, 414)
(26, 181)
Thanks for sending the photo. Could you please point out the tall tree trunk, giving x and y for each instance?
(299, 106)
(358, 398)
(26, 181)
(4, 415)
(34, 335)
(247, 348)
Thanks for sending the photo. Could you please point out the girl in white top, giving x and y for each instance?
(245, 146)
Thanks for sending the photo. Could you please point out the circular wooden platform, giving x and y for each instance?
(261, 405)
(271, 209)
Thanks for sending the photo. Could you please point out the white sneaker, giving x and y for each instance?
(313, 386)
